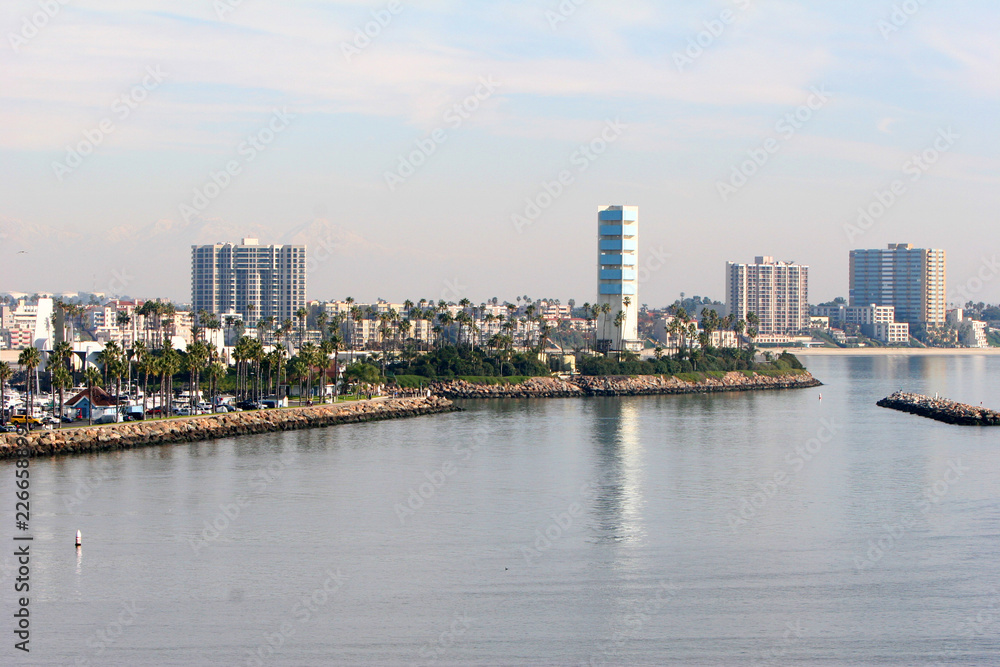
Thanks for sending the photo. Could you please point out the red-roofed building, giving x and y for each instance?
(101, 404)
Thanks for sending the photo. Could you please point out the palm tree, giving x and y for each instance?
(92, 378)
(169, 364)
(61, 380)
(215, 372)
(336, 341)
(29, 359)
(297, 367)
(302, 314)
(326, 348)
(57, 362)
(147, 365)
(122, 320)
(309, 354)
(619, 321)
(6, 373)
(605, 310)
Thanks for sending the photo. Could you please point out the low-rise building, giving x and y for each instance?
(891, 333)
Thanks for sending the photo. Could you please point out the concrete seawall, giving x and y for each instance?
(941, 409)
(150, 433)
(639, 385)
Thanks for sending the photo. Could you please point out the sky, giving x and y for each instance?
(446, 149)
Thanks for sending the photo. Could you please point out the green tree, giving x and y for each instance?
(29, 359)
(92, 378)
(6, 373)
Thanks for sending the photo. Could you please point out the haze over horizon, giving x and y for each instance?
(314, 115)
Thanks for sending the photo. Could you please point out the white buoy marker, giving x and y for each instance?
(79, 539)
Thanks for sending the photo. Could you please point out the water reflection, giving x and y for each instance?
(618, 478)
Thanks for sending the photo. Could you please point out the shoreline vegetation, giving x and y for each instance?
(624, 385)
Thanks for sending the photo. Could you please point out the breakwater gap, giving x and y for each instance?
(941, 409)
(131, 435)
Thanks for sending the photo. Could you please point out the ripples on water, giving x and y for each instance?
(561, 532)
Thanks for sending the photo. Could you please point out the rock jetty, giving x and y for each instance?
(163, 432)
(941, 409)
(638, 385)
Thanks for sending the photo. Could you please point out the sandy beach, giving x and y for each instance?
(891, 351)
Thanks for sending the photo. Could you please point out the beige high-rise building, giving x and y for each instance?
(777, 292)
(911, 279)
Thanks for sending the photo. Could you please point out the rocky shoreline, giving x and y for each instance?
(941, 409)
(131, 435)
(641, 385)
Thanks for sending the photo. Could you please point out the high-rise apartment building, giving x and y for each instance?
(777, 292)
(617, 282)
(249, 279)
(911, 279)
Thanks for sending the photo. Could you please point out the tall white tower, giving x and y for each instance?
(617, 281)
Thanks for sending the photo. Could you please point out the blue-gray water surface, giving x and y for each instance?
(752, 528)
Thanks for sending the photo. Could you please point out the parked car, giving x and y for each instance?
(8, 428)
(50, 420)
(249, 405)
(22, 420)
(107, 419)
(155, 412)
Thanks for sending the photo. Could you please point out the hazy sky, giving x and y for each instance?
(310, 115)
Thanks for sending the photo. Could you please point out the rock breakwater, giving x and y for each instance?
(624, 385)
(941, 409)
(149, 433)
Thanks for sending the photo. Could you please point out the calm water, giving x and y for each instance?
(647, 530)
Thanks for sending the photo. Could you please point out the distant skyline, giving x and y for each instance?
(460, 149)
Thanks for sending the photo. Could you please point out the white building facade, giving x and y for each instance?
(777, 292)
(617, 283)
